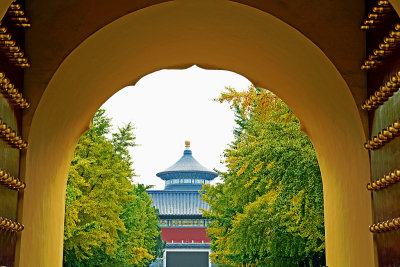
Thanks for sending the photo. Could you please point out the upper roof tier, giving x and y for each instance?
(187, 167)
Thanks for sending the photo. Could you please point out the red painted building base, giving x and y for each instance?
(185, 234)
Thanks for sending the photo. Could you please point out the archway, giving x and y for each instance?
(214, 35)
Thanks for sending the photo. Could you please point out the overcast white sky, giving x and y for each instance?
(168, 107)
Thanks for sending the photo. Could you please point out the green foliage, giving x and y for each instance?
(108, 220)
(269, 210)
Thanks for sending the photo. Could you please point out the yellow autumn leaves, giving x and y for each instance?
(269, 210)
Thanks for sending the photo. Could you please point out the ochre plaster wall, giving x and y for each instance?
(211, 34)
(58, 27)
(338, 34)
(396, 5)
(4, 4)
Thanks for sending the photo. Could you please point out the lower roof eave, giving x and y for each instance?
(180, 216)
(188, 245)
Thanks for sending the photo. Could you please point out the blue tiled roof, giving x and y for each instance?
(183, 187)
(177, 202)
(187, 165)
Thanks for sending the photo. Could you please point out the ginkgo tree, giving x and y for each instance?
(269, 209)
(108, 220)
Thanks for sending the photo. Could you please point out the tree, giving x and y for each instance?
(269, 210)
(108, 220)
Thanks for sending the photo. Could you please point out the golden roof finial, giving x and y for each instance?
(187, 145)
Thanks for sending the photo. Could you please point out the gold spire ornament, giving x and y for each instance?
(187, 145)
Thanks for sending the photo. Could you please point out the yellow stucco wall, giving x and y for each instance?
(176, 35)
(4, 4)
(396, 5)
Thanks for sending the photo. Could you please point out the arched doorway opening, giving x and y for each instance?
(224, 35)
(185, 110)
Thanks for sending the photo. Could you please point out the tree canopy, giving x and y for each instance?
(108, 220)
(269, 209)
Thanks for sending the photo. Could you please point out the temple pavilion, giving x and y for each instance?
(180, 218)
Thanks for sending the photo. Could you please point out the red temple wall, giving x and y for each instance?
(187, 234)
